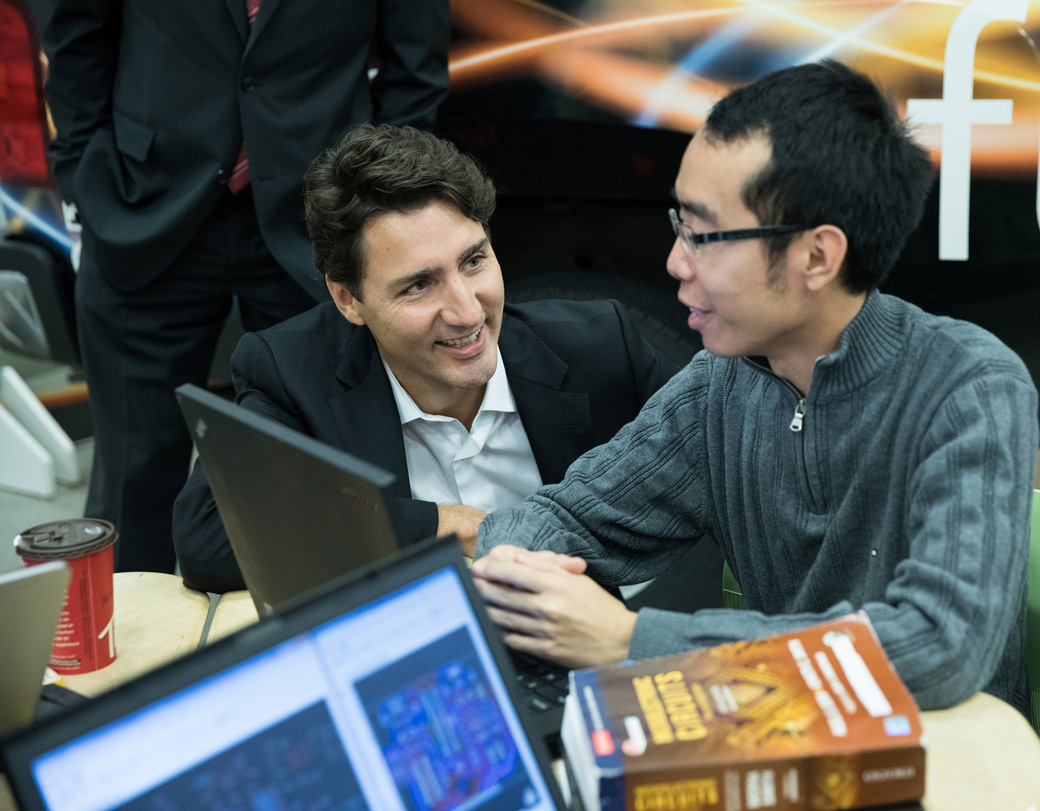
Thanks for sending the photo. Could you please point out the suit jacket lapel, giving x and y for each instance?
(365, 412)
(237, 10)
(558, 423)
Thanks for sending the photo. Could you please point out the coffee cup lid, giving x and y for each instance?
(58, 540)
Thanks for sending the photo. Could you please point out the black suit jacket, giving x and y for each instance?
(578, 371)
(152, 100)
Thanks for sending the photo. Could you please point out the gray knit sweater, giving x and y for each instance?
(906, 493)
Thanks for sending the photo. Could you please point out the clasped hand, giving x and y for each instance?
(548, 606)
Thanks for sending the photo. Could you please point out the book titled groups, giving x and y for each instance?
(816, 719)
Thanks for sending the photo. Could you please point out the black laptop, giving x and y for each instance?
(388, 690)
(300, 513)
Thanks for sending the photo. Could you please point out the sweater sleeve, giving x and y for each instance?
(629, 507)
(952, 609)
(954, 604)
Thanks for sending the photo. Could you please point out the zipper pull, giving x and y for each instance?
(799, 415)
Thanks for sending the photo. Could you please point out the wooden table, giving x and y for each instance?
(157, 619)
(235, 610)
(982, 755)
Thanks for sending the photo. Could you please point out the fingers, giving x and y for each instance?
(537, 646)
(502, 561)
(517, 575)
(579, 637)
(546, 605)
(572, 565)
(517, 623)
(532, 635)
(545, 559)
(502, 595)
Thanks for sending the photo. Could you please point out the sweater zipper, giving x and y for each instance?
(799, 415)
(799, 409)
(796, 420)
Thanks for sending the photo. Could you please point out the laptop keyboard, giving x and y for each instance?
(544, 683)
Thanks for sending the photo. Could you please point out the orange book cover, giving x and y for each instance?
(816, 719)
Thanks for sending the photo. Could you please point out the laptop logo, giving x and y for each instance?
(201, 428)
(359, 498)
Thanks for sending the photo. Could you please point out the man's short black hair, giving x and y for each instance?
(378, 169)
(840, 156)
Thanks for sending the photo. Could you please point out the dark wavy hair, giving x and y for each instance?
(377, 169)
(840, 156)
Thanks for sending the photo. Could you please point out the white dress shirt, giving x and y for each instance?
(489, 467)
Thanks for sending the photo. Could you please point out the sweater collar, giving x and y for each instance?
(868, 345)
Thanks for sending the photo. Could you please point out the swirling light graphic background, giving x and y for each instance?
(664, 62)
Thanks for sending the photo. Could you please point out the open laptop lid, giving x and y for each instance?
(388, 691)
(298, 512)
(31, 600)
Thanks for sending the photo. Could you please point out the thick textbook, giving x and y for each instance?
(816, 719)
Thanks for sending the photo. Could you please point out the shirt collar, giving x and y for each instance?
(497, 396)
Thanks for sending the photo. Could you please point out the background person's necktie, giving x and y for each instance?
(240, 174)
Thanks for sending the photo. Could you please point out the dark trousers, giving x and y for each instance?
(139, 345)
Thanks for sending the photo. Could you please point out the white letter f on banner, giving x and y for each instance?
(957, 111)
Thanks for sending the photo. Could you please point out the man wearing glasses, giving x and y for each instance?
(844, 449)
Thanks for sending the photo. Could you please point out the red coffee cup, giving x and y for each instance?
(85, 640)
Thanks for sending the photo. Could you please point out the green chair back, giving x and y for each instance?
(1033, 612)
(732, 597)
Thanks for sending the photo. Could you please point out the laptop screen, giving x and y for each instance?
(398, 704)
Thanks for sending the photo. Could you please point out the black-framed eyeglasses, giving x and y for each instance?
(692, 240)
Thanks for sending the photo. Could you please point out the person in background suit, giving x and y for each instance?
(417, 365)
(183, 132)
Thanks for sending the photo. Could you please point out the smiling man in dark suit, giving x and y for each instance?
(416, 364)
(183, 132)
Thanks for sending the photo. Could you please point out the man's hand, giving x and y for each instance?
(547, 606)
(463, 521)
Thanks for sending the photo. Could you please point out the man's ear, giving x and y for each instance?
(345, 302)
(826, 249)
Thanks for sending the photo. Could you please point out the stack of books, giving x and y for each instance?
(816, 719)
